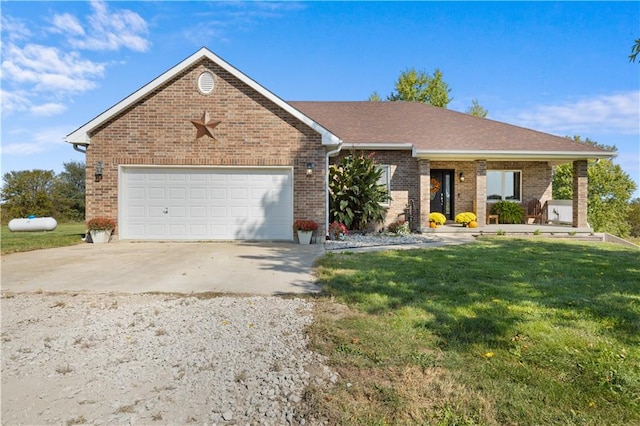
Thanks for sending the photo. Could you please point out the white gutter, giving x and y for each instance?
(390, 146)
(496, 155)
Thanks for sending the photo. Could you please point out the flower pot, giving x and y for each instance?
(100, 236)
(304, 237)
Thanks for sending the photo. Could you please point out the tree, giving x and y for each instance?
(635, 50)
(634, 217)
(477, 110)
(69, 191)
(355, 196)
(610, 190)
(418, 86)
(375, 97)
(27, 192)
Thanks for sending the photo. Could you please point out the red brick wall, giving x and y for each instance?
(253, 132)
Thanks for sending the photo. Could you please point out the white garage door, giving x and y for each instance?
(206, 204)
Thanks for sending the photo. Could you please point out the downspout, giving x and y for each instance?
(79, 147)
(326, 186)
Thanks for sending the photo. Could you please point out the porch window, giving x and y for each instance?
(385, 179)
(504, 185)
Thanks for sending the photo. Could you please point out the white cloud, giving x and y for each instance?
(615, 113)
(47, 69)
(111, 30)
(39, 141)
(67, 23)
(200, 33)
(50, 108)
(215, 22)
(14, 29)
(14, 102)
(49, 73)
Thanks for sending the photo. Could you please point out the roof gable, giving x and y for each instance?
(80, 136)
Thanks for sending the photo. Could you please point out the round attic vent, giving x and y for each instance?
(206, 83)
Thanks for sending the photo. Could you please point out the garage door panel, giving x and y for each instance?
(238, 213)
(177, 230)
(137, 211)
(136, 193)
(176, 177)
(197, 212)
(155, 177)
(156, 229)
(156, 211)
(238, 194)
(218, 177)
(218, 212)
(177, 193)
(238, 177)
(198, 229)
(157, 193)
(197, 193)
(177, 212)
(218, 194)
(224, 203)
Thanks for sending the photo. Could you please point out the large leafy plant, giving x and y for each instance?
(508, 212)
(354, 192)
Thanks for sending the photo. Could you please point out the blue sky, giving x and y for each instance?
(557, 67)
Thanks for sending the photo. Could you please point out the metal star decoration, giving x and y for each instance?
(205, 126)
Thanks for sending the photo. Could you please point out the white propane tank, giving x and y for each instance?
(32, 224)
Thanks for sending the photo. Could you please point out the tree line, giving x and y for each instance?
(42, 193)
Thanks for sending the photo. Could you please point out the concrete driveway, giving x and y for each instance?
(138, 267)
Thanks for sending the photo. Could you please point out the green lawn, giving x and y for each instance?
(501, 332)
(65, 234)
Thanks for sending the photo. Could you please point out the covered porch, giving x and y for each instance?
(469, 192)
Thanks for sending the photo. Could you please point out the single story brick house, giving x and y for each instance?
(203, 152)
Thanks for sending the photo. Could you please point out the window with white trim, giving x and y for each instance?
(504, 185)
(385, 179)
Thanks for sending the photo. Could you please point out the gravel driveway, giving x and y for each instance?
(142, 359)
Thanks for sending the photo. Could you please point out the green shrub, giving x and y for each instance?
(508, 212)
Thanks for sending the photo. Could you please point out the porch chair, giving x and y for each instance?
(534, 211)
(490, 217)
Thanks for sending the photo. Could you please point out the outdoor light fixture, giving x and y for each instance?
(461, 177)
(309, 169)
(98, 173)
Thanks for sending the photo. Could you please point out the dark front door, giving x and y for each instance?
(442, 192)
